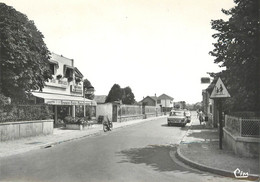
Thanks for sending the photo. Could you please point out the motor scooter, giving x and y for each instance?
(107, 125)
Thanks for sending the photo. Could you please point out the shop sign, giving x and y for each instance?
(53, 102)
(65, 102)
(81, 102)
(74, 102)
(76, 89)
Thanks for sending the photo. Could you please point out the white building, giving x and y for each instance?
(65, 89)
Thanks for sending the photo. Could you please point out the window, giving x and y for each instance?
(69, 73)
(158, 101)
(52, 68)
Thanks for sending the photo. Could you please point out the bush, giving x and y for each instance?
(11, 113)
(76, 120)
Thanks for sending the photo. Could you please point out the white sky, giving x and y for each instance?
(153, 46)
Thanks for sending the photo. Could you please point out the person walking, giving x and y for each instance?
(201, 116)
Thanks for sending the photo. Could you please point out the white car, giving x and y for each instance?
(188, 116)
(177, 117)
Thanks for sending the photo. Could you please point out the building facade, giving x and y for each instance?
(65, 90)
(165, 102)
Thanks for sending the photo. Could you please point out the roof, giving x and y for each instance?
(57, 56)
(151, 97)
(100, 98)
(164, 96)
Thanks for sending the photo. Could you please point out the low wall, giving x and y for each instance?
(104, 110)
(128, 118)
(149, 115)
(244, 146)
(21, 129)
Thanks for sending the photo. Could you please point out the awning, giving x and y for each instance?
(57, 99)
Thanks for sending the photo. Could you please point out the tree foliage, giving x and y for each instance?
(121, 94)
(115, 94)
(87, 85)
(127, 96)
(237, 49)
(23, 54)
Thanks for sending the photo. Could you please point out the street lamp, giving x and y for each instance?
(84, 91)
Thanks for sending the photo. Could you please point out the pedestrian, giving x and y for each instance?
(201, 117)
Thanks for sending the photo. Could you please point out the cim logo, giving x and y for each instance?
(240, 174)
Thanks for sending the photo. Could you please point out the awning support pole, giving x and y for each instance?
(73, 111)
(55, 114)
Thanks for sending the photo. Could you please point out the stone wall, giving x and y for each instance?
(21, 129)
(244, 146)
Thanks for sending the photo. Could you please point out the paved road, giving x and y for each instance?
(136, 153)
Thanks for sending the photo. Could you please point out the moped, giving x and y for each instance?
(107, 125)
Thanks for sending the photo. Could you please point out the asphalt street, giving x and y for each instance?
(143, 152)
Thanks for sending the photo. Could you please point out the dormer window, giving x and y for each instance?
(53, 65)
(68, 72)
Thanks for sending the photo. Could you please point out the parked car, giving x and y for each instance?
(177, 117)
(188, 116)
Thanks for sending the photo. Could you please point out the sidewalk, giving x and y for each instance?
(60, 135)
(200, 149)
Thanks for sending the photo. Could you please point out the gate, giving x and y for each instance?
(114, 115)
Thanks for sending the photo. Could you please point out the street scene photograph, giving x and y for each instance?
(129, 90)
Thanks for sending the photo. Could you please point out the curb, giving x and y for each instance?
(252, 177)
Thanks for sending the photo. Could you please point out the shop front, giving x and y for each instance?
(65, 105)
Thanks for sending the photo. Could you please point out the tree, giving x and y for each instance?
(127, 96)
(115, 94)
(88, 86)
(23, 54)
(87, 83)
(237, 49)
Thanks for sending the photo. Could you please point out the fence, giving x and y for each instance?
(242, 126)
(129, 110)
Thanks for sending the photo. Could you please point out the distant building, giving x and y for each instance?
(163, 101)
(100, 99)
(166, 102)
(148, 101)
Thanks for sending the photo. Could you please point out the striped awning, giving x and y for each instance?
(58, 99)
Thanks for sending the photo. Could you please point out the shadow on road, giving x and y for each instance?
(156, 156)
(200, 127)
(182, 128)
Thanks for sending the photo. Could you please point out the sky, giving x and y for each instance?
(152, 46)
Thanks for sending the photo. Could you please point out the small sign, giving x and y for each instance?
(219, 91)
(205, 80)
